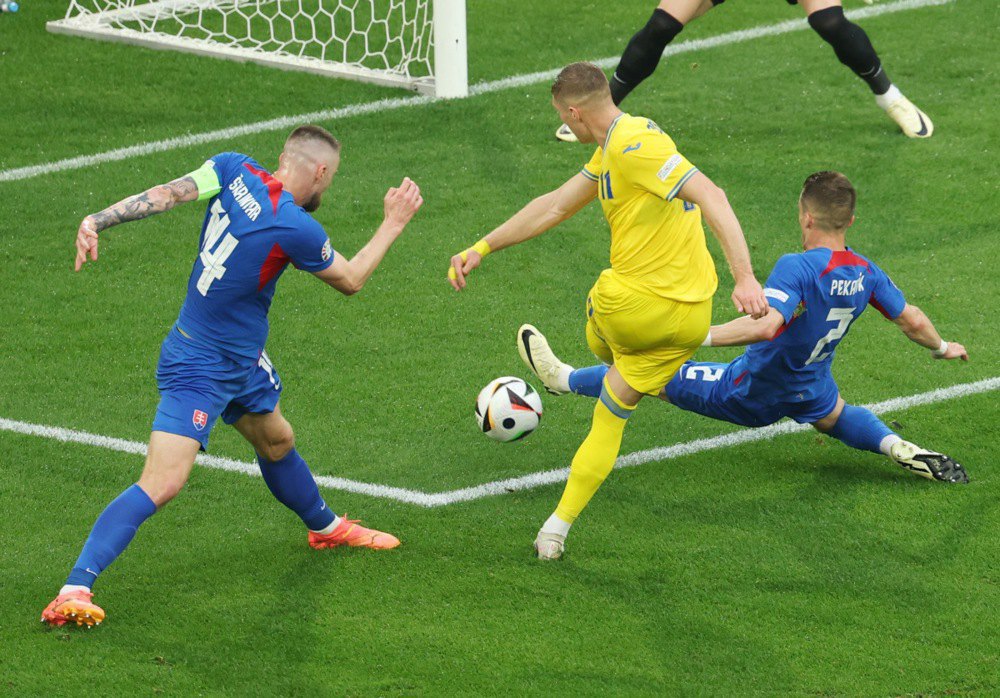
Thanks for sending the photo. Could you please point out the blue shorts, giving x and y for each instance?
(726, 392)
(198, 385)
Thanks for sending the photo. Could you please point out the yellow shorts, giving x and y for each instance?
(647, 337)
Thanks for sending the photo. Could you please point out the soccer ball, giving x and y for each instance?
(508, 409)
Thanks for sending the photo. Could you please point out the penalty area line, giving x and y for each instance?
(282, 123)
(501, 487)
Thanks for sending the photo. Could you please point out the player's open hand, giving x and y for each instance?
(748, 297)
(86, 242)
(954, 351)
(402, 203)
(461, 265)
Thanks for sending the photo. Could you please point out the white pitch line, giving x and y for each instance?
(215, 462)
(285, 122)
(743, 436)
(548, 477)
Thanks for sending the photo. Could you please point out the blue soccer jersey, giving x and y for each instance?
(820, 293)
(252, 231)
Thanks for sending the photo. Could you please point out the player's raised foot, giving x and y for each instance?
(549, 546)
(934, 466)
(913, 122)
(349, 532)
(538, 355)
(566, 135)
(73, 607)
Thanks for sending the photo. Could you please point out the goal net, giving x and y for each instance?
(416, 44)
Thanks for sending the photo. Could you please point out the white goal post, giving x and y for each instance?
(414, 44)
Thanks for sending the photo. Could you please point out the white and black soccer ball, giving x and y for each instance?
(508, 409)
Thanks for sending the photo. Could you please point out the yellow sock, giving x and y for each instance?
(596, 456)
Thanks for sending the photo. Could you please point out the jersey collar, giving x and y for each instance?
(611, 128)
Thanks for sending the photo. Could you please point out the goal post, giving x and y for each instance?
(414, 44)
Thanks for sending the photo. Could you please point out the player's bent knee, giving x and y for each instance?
(278, 444)
(162, 488)
(834, 27)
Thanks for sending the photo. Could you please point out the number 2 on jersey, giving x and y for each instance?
(843, 318)
(214, 260)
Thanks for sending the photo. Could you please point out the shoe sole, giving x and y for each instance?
(81, 616)
(370, 546)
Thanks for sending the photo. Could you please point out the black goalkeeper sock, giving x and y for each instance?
(852, 47)
(643, 53)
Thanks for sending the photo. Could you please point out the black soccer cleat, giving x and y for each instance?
(929, 464)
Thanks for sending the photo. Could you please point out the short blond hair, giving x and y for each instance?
(580, 82)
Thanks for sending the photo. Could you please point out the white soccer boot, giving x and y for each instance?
(536, 353)
(549, 546)
(564, 134)
(929, 464)
(911, 120)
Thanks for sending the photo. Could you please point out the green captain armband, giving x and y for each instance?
(207, 181)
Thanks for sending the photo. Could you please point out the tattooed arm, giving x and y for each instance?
(156, 200)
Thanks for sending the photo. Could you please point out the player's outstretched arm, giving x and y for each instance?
(349, 276)
(745, 330)
(540, 215)
(155, 200)
(919, 328)
(748, 296)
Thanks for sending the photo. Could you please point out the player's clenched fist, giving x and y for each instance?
(402, 203)
(86, 242)
(748, 297)
(464, 262)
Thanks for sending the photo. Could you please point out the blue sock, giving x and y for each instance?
(292, 484)
(588, 381)
(113, 531)
(860, 428)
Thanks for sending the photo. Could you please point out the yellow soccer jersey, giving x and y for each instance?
(657, 241)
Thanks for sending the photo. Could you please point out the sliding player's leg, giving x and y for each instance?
(858, 427)
(168, 464)
(719, 391)
(256, 414)
(854, 49)
(592, 463)
(645, 48)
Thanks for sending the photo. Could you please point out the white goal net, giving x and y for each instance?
(417, 44)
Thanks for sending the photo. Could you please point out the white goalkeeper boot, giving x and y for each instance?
(539, 357)
(564, 134)
(913, 122)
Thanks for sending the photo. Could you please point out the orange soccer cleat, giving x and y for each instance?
(73, 607)
(348, 532)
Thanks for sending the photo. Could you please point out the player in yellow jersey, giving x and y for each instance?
(648, 313)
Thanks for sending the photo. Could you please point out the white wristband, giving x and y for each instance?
(941, 350)
(708, 340)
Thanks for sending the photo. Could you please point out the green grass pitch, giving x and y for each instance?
(786, 567)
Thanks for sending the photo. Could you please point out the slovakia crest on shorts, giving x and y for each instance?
(199, 419)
